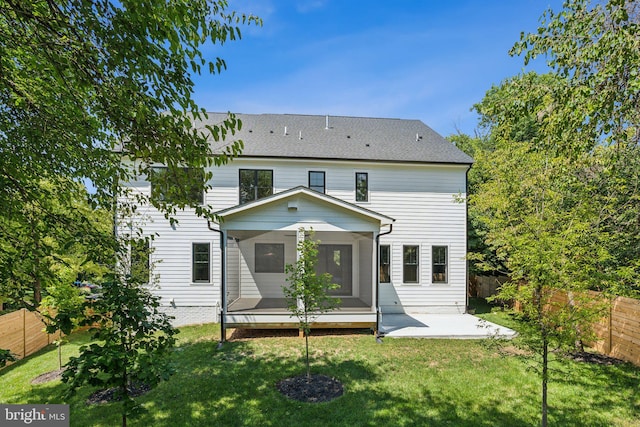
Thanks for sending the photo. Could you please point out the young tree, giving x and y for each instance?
(62, 309)
(536, 204)
(308, 292)
(132, 342)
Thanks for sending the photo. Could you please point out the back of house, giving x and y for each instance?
(385, 198)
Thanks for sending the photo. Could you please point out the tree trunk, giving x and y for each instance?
(306, 339)
(545, 378)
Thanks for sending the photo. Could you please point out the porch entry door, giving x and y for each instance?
(337, 261)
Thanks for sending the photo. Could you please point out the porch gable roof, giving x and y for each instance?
(294, 192)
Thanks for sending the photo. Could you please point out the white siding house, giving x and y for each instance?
(386, 198)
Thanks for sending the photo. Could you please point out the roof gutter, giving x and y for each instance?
(378, 310)
(466, 238)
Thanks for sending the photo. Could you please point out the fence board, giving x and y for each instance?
(22, 333)
(618, 332)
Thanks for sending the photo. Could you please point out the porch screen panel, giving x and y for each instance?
(337, 260)
(269, 257)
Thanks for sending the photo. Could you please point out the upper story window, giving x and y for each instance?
(255, 184)
(317, 181)
(182, 185)
(362, 187)
(439, 267)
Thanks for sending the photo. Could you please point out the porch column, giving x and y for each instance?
(300, 235)
(223, 286)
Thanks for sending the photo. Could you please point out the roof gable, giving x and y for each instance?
(293, 194)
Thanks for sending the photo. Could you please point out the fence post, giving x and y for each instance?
(24, 333)
(610, 328)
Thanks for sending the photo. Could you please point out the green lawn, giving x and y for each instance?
(400, 382)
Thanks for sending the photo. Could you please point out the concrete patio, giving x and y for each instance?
(456, 326)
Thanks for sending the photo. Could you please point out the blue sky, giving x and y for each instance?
(428, 60)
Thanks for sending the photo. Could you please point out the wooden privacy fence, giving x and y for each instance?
(22, 333)
(618, 332)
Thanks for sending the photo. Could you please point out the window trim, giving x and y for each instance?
(366, 181)
(324, 181)
(194, 262)
(405, 265)
(446, 264)
(388, 263)
(280, 268)
(255, 181)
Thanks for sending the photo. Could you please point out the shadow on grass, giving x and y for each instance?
(600, 387)
(236, 386)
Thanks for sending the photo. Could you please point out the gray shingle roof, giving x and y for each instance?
(346, 138)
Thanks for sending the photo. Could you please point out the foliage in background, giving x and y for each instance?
(84, 86)
(5, 357)
(47, 243)
(307, 293)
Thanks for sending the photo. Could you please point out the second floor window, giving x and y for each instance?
(362, 187)
(255, 184)
(182, 185)
(317, 181)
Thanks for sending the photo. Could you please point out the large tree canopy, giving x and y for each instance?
(596, 47)
(77, 78)
(557, 196)
(82, 85)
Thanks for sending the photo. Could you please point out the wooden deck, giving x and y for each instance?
(270, 313)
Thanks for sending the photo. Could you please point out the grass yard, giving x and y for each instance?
(401, 382)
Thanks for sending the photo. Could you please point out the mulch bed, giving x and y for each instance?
(318, 388)
(48, 376)
(595, 358)
(109, 395)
